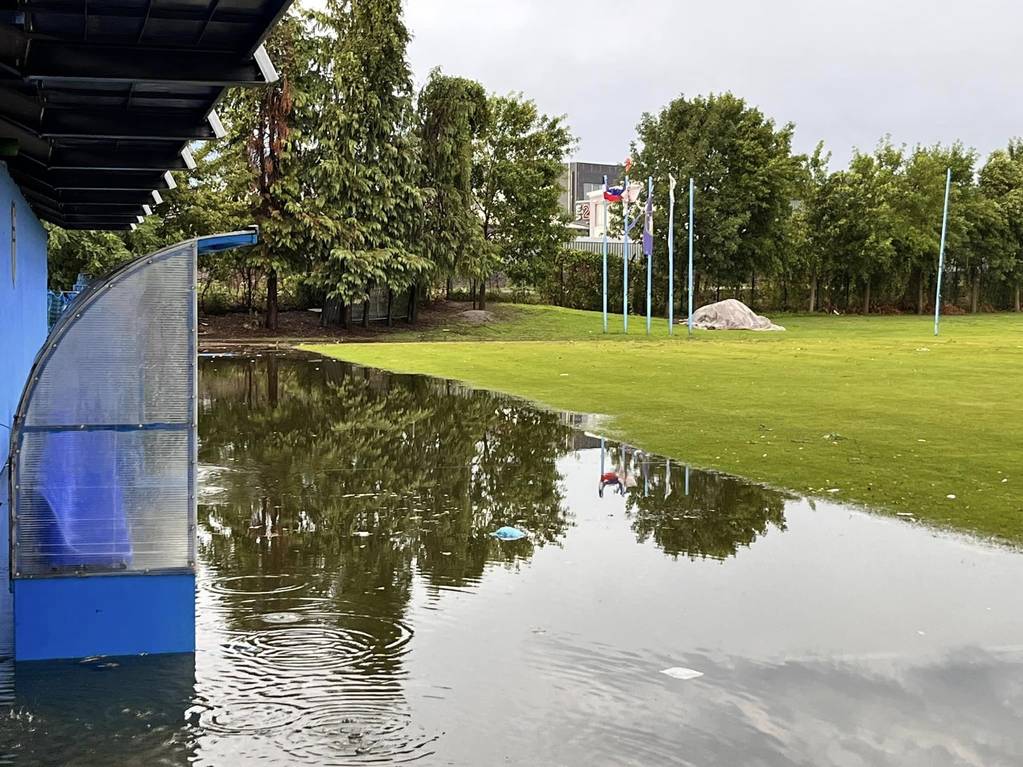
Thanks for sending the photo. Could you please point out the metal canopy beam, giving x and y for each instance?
(50, 61)
(99, 209)
(107, 226)
(108, 179)
(125, 124)
(107, 197)
(92, 218)
(118, 11)
(123, 158)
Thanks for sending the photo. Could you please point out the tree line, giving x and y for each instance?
(359, 183)
(356, 181)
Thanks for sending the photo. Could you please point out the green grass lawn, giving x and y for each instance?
(872, 410)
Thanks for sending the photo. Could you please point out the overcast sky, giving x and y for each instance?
(844, 72)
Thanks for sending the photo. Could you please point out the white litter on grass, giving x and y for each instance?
(680, 672)
(951, 496)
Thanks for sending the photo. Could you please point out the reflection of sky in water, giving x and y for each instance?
(354, 610)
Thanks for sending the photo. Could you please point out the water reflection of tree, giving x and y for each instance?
(719, 515)
(319, 452)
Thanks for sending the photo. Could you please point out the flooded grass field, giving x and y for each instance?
(354, 608)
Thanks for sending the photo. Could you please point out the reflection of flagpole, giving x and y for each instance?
(687, 479)
(671, 254)
(602, 452)
(667, 478)
(606, 208)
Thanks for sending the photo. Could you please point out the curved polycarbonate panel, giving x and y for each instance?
(104, 441)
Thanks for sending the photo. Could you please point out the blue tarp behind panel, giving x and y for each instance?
(83, 490)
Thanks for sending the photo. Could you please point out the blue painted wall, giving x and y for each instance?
(22, 298)
(22, 333)
(103, 615)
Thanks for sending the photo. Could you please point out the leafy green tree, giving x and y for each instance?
(746, 179)
(364, 211)
(853, 220)
(1001, 181)
(516, 186)
(73, 252)
(916, 202)
(804, 259)
(452, 114)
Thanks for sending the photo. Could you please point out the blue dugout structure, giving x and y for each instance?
(103, 467)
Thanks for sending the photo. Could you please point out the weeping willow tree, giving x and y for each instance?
(452, 114)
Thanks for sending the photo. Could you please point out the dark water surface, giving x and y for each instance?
(354, 610)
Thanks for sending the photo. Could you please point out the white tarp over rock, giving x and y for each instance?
(731, 314)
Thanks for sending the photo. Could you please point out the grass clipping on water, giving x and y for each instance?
(871, 410)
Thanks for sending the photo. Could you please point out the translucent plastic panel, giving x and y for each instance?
(126, 354)
(104, 471)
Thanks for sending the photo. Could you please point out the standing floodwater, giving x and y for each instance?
(354, 608)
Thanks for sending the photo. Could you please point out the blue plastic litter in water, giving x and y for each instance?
(508, 533)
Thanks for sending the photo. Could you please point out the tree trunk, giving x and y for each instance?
(272, 387)
(390, 307)
(866, 297)
(975, 293)
(920, 297)
(365, 313)
(333, 313)
(270, 318)
(753, 289)
(248, 289)
(449, 287)
(472, 291)
(813, 292)
(483, 294)
(413, 306)
(1017, 296)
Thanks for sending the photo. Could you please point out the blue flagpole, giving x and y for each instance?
(690, 256)
(606, 209)
(625, 260)
(649, 256)
(671, 256)
(941, 252)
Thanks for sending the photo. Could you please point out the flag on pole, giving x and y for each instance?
(613, 193)
(671, 189)
(648, 226)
